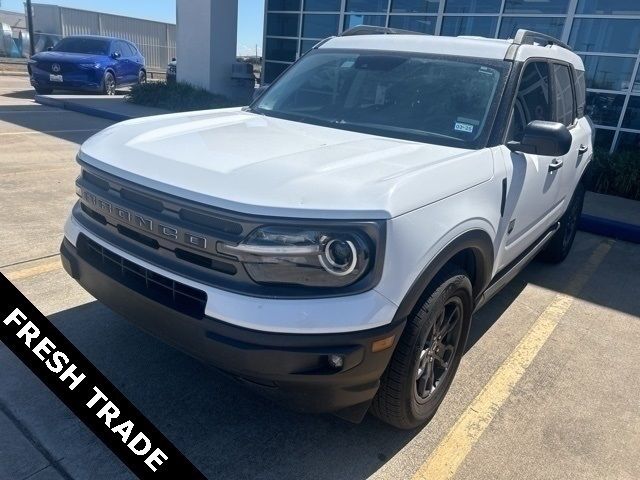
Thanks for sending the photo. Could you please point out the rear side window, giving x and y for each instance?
(533, 100)
(581, 92)
(123, 49)
(563, 92)
(134, 50)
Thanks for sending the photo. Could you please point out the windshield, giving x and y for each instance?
(91, 46)
(434, 99)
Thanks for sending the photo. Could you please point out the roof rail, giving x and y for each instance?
(529, 37)
(375, 30)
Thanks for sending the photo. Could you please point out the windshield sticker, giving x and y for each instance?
(463, 127)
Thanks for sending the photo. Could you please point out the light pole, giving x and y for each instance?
(30, 27)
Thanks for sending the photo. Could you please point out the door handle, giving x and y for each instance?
(583, 149)
(555, 165)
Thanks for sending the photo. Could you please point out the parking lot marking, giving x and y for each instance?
(23, 273)
(34, 132)
(444, 461)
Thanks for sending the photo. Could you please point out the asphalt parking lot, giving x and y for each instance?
(548, 387)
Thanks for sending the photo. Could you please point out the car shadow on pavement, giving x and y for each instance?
(63, 124)
(20, 94)
(225, 429)
(231, 432)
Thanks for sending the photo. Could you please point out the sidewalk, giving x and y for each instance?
(13, 66)
(110, 107)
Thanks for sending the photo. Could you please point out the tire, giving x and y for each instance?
(43, 91)
(560, 245)
(402, 399)
(142, 77)
(109, 84)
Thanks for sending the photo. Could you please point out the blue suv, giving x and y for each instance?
(88, 63)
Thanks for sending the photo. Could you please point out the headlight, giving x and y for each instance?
(89, 65)
(311, 257)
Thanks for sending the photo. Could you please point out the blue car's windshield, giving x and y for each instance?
(428, 98)
(91, 46)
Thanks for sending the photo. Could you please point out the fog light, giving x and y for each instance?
(335, 361)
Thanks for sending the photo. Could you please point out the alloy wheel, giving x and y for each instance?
(110, 85)
(439, 349)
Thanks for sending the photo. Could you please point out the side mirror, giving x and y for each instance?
(258, 92)
(115, 55)
(173, 59)
(543, 138)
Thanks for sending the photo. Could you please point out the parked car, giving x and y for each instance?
(329, 244)
(172, 69)
(87, 63)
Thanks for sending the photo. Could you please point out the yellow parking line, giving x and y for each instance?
(445, 460)
(23, 273)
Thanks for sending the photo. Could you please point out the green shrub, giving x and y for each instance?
(615, 174)
(176, 97)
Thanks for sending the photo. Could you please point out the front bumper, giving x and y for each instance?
(90, 81)
(292, 368)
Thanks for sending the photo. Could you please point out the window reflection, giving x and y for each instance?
(481, 26)
(608, 73)
(604, 108)
(605, 35)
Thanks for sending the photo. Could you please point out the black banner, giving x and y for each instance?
(86, 391)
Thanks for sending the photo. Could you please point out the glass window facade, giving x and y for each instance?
(320, 26)
(481, 26)
(415, 6)
(605, 33)
(536, 6)
(412, 22)
(354, 19)
(473, 6)
(549, 25)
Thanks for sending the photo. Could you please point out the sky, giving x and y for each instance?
(250, 14)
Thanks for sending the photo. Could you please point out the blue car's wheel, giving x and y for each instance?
(109, 84)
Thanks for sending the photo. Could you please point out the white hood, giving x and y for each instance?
(254, 164)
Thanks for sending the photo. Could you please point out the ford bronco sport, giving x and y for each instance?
(328, 244)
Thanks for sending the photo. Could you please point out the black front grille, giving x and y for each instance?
(168, 292)
(154, 201)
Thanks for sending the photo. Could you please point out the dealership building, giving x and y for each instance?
(605, 33)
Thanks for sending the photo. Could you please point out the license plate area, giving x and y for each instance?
(55, 78)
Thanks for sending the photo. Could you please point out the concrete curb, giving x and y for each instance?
(13, 73)
(96, 112)
(609, 228)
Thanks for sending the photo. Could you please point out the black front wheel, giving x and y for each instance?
(428, 354)
(109, 84)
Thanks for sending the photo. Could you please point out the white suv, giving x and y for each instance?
(328, 244)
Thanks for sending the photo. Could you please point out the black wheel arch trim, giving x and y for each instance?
(480, 244)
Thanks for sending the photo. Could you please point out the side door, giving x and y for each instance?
(566, 112)
(532, 201)
(119, 63)
(131, 63)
